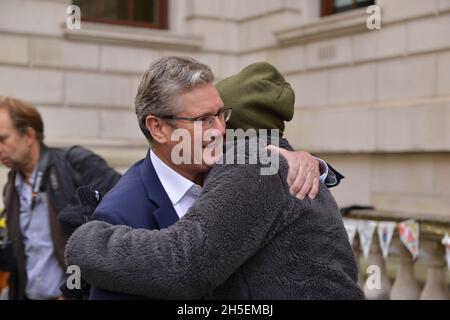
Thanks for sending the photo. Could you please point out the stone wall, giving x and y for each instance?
(374, 103)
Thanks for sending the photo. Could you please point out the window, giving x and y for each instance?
(142, 13)
(329, 7)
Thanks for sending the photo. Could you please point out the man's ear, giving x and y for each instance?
(158, 129)
(30, 135)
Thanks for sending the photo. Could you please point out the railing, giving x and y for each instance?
(400, 275)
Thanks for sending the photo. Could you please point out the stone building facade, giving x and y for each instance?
(374, 103)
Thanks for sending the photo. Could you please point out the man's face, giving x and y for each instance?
(198, 102)
(14, 146)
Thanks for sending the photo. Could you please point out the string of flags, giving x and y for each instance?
(409, 232)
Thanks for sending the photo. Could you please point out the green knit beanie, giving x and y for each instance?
(259, 96)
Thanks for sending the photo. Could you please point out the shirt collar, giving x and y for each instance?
(19, 178)
(175, 185)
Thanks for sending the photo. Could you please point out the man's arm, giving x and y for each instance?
(222, 230)
(306, 171)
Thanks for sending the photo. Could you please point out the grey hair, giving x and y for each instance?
(161, 83)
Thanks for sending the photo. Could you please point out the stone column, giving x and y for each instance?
(405, 286)
(357, 253)
(436, 286)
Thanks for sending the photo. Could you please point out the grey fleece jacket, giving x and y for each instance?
(245, 237)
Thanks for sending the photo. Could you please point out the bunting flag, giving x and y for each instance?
(351, 226)
(366, 229)
(385, 232)
(409, 235)
(446, 243)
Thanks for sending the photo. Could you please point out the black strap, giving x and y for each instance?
(39, 181)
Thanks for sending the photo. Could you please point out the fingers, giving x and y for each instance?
(299, 181)
(303, 173)
(315, 188)
(307, 185)
(292, 174)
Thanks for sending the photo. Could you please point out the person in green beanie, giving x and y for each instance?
(261, 98)
(245, 237)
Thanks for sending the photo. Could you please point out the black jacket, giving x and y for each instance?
(65, 170)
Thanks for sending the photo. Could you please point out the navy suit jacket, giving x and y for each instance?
(138, 200)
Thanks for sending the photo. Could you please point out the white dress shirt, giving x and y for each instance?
(323, 167)
(183, 192)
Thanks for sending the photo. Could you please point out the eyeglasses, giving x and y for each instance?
(224, 114)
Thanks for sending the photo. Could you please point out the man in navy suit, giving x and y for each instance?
(174, 93)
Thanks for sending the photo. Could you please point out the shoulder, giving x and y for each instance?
(76, 154)
(247, 161)
(130, 184)
(73, 155)
(126, 201)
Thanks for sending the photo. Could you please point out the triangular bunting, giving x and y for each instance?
(385, 232)
(409, 235)
(351, 227)
(366, 229)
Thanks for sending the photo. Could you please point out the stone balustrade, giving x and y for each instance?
(400, 276)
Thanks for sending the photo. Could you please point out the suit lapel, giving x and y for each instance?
(165, 214)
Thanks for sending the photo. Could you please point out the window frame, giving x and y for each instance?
(162, 16)
(327, 8)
